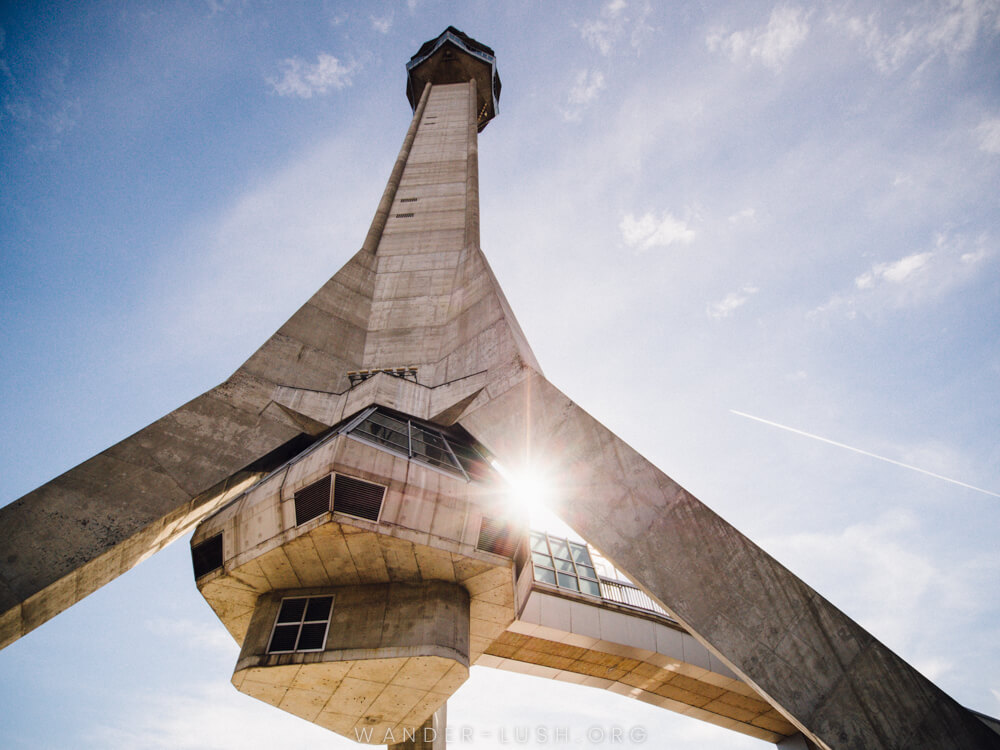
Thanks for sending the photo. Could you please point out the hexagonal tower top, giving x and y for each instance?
(454, 57)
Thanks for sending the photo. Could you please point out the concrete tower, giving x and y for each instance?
(352, 532)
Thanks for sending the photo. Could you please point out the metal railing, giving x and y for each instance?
(622, 592)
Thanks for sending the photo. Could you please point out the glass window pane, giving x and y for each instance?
(559, 548)
(568, 582)
(580, 553)
(590, 587)
(586, 571)
(291, 610)
(283, 638)
(313, 636)
(319, 608)
(538, 544)
(564, 565)
(541, 559)
(545, 575)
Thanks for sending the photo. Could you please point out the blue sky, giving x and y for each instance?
(788, 210)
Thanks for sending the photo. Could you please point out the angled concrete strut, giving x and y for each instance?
(420, 294)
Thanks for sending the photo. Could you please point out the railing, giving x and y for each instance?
(622, 592)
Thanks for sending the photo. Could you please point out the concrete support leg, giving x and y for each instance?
(430, 736)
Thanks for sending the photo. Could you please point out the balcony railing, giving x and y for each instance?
(622, 592)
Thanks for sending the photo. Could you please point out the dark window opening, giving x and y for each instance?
(207, 556)
(301, 625)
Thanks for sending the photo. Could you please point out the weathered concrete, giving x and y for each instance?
(586, 641)
(430, 736)
(394, 654)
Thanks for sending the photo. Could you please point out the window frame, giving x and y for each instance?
(301, 623)
(568, 566)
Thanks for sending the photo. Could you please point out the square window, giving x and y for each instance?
(541, 559)
(301, 624)
(559, 548)
(580, 553)
(568, 582)
(545, 575)
(590, 587)
(565, 566)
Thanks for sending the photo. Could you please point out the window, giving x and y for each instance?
(301, 625)
(454, 451)
(563, 563)
(207, 556)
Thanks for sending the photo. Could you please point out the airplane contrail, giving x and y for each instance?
(862, 452)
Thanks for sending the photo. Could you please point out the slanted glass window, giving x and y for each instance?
(563, 563)
(454, 453)
(301, 625)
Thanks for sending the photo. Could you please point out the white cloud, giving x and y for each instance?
(382, 24)
(616, 21)
(896, 272)
(989, 135)
(772, 44)
(914, 278)
(725, 307)
(925, 31)
(303, 80)
(649, 231)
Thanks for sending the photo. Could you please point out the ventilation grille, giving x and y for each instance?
(497, 537)
(407, 200)
(312, 501)
(354, 497)
(207, 556)
(404, 216)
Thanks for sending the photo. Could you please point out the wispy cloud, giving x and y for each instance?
(302, 79)
(743, 215)
(925, 31)
(205, 717)
(732, 301)
(893, 584)
(771, 44)
(649, 231)
(988, 133)
(896, 272)
(914, 278)
(619, 22)
(214, 639)
(382, 24)
(587, 85)
(43, 116)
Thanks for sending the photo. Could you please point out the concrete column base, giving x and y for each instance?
(430, 736)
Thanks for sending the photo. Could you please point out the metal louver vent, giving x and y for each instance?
(498, 537)
(207, 556)
(357, 498)
(312, 501)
